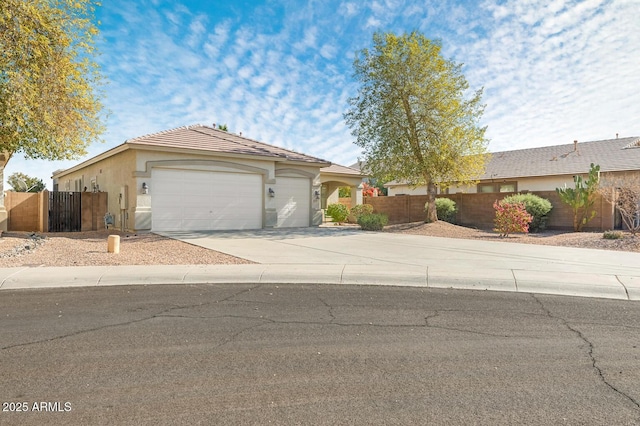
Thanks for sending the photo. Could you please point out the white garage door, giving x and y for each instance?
(187, 200)
(293, 201)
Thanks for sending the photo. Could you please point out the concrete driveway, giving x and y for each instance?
(331, 246)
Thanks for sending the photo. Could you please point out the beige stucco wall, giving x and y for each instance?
(133, 167)
(541, 183)
(111, 175)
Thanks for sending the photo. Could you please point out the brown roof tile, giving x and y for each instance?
(612, 155)
(205, 138)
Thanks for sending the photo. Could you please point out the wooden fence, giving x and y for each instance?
(30, 212)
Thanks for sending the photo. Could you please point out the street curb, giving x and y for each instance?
(492, 279)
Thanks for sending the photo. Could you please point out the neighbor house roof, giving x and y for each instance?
(612, 155)
(205, 138)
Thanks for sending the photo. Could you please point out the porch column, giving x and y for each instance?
(356, 195)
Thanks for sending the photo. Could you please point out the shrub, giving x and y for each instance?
(372, 222)
(537, 207)
(612, 235)
(511, 218)
(446, 209)
(358, 211)
(338, 212)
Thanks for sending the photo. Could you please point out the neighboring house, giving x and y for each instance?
(546, 168)
(201, 178)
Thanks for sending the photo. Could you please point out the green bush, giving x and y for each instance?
(372, 222)
(612, 235)
(446, 209)
(358, 211)
(537, 207)
(338, 212)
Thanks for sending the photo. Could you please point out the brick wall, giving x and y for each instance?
(476, 210)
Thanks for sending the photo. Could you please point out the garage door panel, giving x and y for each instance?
(293, 202)
(198, 200)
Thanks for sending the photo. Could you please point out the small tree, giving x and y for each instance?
(22, 183)
(582, 198)
(624, 193)
(510, 218)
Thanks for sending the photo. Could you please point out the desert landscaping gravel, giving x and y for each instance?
(90, 248)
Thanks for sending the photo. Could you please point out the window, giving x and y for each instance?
(486, 188)
(507, 187)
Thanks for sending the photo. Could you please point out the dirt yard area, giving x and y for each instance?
(591, 240)
(90, 248)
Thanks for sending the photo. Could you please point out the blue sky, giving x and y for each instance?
(280, 71)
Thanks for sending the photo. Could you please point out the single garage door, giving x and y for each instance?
(293, 201)
(188, 200)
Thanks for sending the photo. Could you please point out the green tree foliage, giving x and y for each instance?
(22, 183)
(537, 207)
(582, 197)
(412, 117)
(49, 107)
(344, 192)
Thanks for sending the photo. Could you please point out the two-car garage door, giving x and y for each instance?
(189, 200)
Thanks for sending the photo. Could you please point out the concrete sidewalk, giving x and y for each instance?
(526, 281)
(348, 256)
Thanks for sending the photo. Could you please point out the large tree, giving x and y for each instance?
(49, 100)
(413, 115)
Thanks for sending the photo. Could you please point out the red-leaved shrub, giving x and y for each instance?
(510, 218)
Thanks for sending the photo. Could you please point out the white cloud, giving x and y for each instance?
(282, 74)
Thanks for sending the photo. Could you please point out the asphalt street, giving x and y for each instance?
(315, 354)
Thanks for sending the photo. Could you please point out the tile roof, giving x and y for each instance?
(612, 155)
(342, 170)
(205, 138)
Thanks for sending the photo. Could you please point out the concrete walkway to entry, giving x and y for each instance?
(351, 256)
